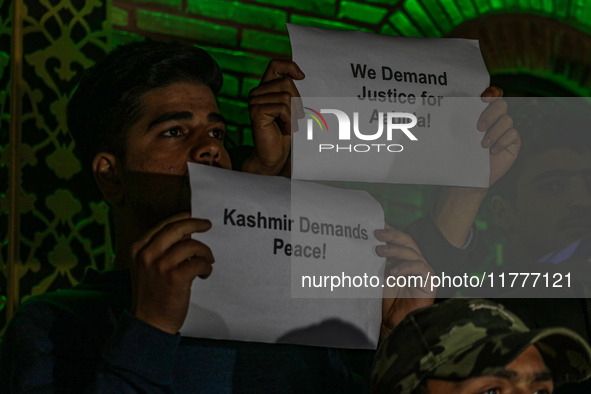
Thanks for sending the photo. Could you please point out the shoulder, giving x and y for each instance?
(98, 293)
(60, 333)
(92, 307)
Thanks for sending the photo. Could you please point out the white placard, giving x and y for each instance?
(256, 290)
(439, 81)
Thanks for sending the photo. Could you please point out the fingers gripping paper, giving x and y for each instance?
(279, 248)
(357, 97)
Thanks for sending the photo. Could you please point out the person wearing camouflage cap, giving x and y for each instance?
(476, 346)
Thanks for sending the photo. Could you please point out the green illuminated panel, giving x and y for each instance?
(418, 14)
(453, 12)
(173, 25)
(253, 39)
(323, 23)
(230, 86)
(238, 61)
(247, 85)
(400, 21)
(439, 16)
(561, 9)
(239, 13)
(320, 7)
(483, 6)
(388, 31)
(236, 111)
(511, 4)
(467, 8)
(547, 6)
(585, 16)
(119, 37)
(535, 4)
(119, 16)
(581, 10)
(174, 4)
(233, 134)
(497, 4)
(247, 137)
(385, 2)
(577, 72)
(361, 12)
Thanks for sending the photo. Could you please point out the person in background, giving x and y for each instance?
(475, 346)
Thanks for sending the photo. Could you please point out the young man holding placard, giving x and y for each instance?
(138, 117)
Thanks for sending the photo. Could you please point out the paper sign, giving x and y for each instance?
(357, 98)
(279, 247)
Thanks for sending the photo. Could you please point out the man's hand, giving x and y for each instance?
(164, 263)
(403, 258)
(502, 139)
(270, 108)
(456, 207)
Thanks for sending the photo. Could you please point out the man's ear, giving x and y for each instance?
(503, 212)
(107, 174)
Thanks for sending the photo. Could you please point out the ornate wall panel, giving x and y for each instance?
(5, 36)
(61, 228)
(54, 226)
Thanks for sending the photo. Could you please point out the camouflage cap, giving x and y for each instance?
(462, 338)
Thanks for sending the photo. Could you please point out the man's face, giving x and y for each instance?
(552, 207)
(527, 374)
(178, 123)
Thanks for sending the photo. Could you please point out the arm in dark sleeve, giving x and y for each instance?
(139, 357)
(41, 354)
(439, 253)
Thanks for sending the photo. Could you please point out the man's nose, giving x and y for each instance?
(206, 151)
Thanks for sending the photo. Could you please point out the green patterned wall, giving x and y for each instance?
(5, 36)
(59, 230)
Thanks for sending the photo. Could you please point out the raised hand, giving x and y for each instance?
(164, 264)
(456, 207)
(502, 139)
(403, 259)
(270, 109)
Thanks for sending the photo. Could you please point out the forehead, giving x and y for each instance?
(177, 94)
(528, 363)
(528, 369)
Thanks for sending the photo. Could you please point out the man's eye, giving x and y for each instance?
(217, 133)
(173, 132)
(495, 390)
